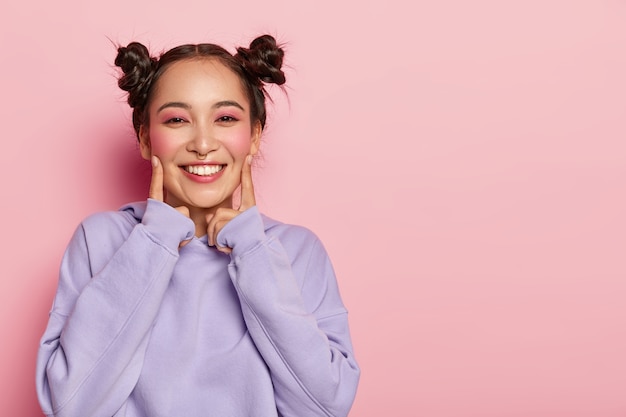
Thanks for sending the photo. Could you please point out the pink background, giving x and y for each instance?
(464, 163)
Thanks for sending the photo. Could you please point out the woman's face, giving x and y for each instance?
(200, 129)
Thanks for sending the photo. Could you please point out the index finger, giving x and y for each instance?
(247, 189)
(156, 183)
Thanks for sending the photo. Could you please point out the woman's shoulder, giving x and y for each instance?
(122, 219)
(290, 235)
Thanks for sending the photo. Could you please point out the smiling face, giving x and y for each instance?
(200, 128)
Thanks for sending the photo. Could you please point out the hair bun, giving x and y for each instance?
(138, 69)
(263, 59)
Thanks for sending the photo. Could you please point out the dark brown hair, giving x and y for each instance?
(256, 65)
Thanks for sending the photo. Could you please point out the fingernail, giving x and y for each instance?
(154, 161)
(249, 159)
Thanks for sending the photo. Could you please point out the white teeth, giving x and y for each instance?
(204, 170)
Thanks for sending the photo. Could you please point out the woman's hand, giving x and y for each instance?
(156, 190)
(217, 221)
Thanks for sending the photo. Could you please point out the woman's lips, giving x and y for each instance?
(203, 173)
(203, 170)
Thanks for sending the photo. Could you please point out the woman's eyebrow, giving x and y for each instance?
(227, 103)
(175, 104)
(178, 104)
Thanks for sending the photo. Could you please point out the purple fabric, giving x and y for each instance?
(141, 328)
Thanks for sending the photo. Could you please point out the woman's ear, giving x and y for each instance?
(257, 130)
(144, 143)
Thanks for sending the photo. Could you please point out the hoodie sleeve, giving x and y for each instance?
(112, 279)
(293, 310)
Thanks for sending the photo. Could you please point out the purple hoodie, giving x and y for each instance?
(140, 327)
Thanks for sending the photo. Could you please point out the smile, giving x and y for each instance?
(203, 170)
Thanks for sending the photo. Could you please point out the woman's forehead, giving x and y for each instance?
(200, 78)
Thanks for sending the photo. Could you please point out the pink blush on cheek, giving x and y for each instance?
(160, 145)
(239, 144)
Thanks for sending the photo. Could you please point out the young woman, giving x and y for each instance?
(183, 305)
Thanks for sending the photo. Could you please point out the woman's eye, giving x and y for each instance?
(226, 119)
(175, 120)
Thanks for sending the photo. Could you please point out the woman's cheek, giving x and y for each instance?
(239, 144)
(161, 147)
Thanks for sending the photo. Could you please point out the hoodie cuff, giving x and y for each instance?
(166, 224)
(243, 233)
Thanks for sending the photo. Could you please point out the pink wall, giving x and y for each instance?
(464, 162)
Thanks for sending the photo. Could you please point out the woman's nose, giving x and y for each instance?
(203, 141)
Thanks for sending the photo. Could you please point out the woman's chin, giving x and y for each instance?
(203, 203)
